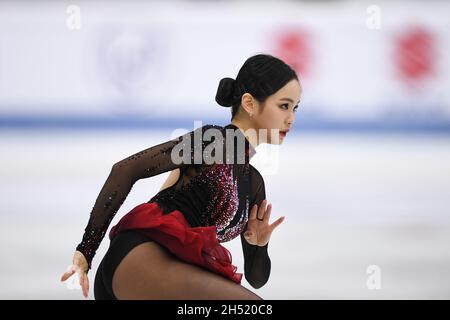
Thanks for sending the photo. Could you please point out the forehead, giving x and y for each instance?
(292, 90)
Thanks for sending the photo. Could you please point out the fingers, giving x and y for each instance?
(262, 209)
(276, 223)
(259, 212)
(264, 212)
(82, 276)
(267, 214)
(84, 283)
(68, 274)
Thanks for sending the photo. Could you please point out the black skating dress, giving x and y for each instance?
(209, 204)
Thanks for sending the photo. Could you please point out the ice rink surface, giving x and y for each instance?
(351, 200)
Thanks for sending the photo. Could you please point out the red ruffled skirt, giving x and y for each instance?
(197, 245)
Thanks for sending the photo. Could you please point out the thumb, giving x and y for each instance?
(70, 271)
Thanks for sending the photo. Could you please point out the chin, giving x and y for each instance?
(277, 142)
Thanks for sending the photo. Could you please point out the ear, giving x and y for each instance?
(249, 104)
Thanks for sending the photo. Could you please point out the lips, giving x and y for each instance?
(283, 133)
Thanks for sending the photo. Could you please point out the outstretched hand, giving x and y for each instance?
(259, 231)
(79, 266)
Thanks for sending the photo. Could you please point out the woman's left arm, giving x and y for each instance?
(256, 263)
(255, 239)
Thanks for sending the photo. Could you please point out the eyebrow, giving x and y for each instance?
(289, 99)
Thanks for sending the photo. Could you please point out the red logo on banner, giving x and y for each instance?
(293, 48)
(414, 54)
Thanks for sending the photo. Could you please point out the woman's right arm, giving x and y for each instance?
(123, 175)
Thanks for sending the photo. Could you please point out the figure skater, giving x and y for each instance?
(169, 247)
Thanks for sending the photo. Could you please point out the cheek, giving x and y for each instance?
(269, 114)
(269, 118)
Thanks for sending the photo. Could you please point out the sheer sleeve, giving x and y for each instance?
(257, 262)
(146, 163)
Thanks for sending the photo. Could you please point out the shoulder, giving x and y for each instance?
(210, 134)
(200, 133)
(201, 137)
(212, 128)
(255, 176)
(257, 187)
(208, 129)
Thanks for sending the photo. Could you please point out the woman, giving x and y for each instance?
(169, 247)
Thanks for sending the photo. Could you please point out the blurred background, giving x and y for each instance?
(363, 178)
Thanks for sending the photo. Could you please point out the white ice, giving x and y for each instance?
(351, 201)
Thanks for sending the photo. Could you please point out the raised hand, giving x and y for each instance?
(258, 229)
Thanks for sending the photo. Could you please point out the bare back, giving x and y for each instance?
(171, 179)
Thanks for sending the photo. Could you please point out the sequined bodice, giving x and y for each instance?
(207, 192)
(218, 196)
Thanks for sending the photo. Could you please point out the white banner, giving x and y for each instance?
(357, 62)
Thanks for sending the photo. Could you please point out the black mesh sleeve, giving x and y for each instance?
(257, 263)
(146, 163)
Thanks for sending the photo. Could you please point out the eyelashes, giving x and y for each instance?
(287, 107)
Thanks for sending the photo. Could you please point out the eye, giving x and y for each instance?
(287, 107)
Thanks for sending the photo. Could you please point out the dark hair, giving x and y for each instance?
(261, 75)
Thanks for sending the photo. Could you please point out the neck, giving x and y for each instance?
(243, 126)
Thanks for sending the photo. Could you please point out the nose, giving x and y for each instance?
(290, 119)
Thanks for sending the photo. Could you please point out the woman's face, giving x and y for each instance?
(277, 114)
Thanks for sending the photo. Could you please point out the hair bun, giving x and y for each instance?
(224, 95)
